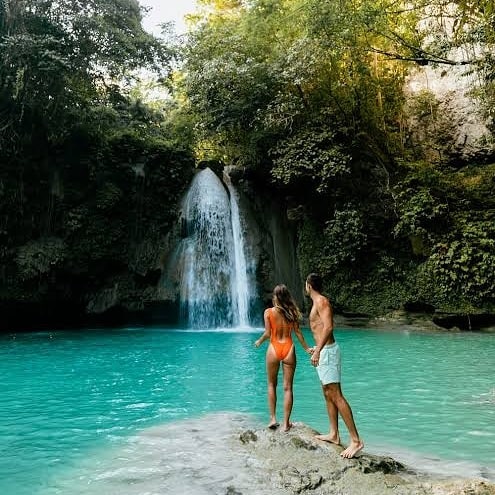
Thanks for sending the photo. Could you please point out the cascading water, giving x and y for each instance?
(214, 288)
(240, 282)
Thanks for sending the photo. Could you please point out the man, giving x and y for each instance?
(326, 359)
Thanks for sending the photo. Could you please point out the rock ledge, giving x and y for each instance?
(296, 463)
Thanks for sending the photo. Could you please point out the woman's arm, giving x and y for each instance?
(266, 333)
(300, 337)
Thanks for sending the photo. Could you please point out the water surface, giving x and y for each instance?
(74, 400)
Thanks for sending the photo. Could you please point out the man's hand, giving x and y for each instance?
(315, 357)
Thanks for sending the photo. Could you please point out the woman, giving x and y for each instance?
(280, 321)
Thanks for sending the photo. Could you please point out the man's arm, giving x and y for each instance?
(325, 313)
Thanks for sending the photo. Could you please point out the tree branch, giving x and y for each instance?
(424, 59)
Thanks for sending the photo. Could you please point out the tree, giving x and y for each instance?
(84, 161)
(57, 58)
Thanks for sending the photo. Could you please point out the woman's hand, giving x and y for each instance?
(315, 358)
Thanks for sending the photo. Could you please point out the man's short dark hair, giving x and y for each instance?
(315, 281)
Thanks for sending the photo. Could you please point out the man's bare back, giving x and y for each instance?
(321, 320)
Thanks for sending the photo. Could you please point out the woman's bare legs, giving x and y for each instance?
(289, 368)
(272, 367)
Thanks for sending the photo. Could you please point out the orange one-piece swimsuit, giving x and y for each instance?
(282, 349)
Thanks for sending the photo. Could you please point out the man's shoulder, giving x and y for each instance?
(323, 301)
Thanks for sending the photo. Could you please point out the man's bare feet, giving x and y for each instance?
(329, 438)
(353, 448)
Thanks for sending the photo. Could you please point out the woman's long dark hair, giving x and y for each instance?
(284, 302)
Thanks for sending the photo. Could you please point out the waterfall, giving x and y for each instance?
(214, 285)
(240, 283)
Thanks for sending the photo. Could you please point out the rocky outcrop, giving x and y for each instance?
(458, 322)
(447, 119)
(232, 454)
(294, 463)
(427, 321)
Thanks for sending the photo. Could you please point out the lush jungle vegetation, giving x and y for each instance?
(89, 175)
(306, 97)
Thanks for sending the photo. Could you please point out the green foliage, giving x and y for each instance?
(306, 95)
(387, 284)
(453, 213)
(332, 248)
(311, 156)
(383, 283)
(59, 59)
(423, 104)
(463, 265)
(421, 202)
(344, 238)
(320, 106)
(310, 93)
(108, 197)
(310, 245)
(88, 170)
(419, 211)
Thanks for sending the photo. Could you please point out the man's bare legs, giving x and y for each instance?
(272, 367)
(337, 404)
(288, 367)
(333, 415)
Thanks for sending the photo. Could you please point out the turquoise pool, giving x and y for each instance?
(70, 398)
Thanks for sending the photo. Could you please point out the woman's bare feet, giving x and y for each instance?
(288, 426)
(329, 438)
(353, 448)
(273, 425)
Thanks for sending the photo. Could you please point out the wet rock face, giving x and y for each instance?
(376, 464)
(456, 322)
(269, 248)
